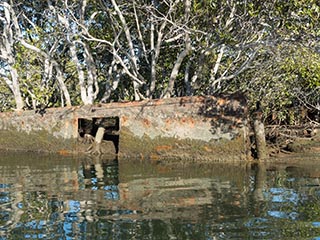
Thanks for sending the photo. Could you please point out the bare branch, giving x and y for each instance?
(241, 69)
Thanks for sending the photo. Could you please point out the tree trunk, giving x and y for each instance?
(16, 89)
(153, 61)
(81, 74)
(174, 74)
(133, 57)
(99, 135)
(59, 73)
(260, 138)
(175, 71)
(95, 147)
(92, 82)
(63, 88)
(9, 31)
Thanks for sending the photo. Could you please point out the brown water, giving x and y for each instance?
(56, 197)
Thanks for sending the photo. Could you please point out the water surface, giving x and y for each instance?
(59, 197)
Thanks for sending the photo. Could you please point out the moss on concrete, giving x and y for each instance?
(35, 141)
(162, 149)
(173, 150)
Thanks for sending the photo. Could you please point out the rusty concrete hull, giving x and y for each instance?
(189, 128)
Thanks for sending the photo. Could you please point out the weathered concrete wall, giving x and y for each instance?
(29, 131)
(199, 128)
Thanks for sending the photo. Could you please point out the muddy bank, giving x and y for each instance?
(293, 142)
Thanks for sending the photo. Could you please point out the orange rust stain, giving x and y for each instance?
(124, 119)
(123, 191)
(146, 122)
(75, 183)
(188, 121)
(154, 157)
(207, 149)
(159, 102)
(168, 122)
(189, 201)
(75, 122)
(163, 169)
(163, 148)
(64, 152)
(192, 121)
(221, 101)
(314, 174)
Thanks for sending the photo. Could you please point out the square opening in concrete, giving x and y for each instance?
(88, 128)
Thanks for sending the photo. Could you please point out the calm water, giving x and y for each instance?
(47, 197)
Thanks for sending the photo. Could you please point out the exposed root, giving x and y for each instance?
(86, 139)
(281, 137)
(94, 149)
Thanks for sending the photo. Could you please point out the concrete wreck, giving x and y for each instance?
(192, 128)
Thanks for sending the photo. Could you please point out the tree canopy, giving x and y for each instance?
(66, 52)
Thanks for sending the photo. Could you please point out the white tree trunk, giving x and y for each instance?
(81, 76)
(92, 81)
(59, 76)
(99, 135)
(133, 58)
(7, 42)
(260, 138)
(63, 87)
(175, 71)
(16, 89)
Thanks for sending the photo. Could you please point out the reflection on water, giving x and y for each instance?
(46, 197)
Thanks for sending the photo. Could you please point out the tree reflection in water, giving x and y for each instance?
(50, 197)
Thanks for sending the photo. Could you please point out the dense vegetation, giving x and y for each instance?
(71, 52)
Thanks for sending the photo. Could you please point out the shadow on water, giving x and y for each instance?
(54, 197)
